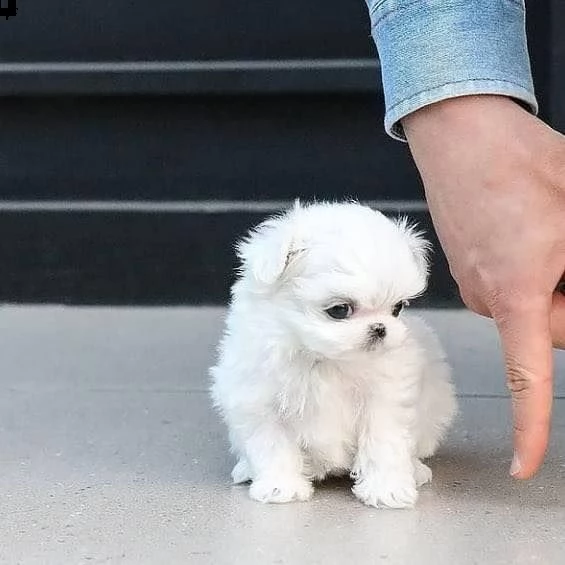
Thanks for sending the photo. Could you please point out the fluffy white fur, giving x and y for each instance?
(305, 396)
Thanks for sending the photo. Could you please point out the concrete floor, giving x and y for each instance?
(110, 453)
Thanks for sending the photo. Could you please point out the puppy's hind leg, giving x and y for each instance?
(422, 473)
(241, 472)
(437, 408)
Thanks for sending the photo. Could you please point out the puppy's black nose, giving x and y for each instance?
(378, 331)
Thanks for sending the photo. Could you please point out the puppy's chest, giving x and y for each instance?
(322, 407)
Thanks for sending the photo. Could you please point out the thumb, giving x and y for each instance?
(526, 341)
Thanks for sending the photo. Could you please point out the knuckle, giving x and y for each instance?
(518, 428)
(518, 382)
(516, 300)
(506, 305)
(522, 382)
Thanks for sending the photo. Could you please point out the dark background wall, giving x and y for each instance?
(137, 142)
(145, 30)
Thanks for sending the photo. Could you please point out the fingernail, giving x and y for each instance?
(515, 468)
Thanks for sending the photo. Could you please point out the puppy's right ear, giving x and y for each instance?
(267, 250)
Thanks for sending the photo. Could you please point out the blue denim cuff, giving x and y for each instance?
(431, 50)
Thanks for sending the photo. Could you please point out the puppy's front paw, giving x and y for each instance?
(422, 473)
(280, 489)
(390, 490)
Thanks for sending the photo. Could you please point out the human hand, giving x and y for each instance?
(495, 183)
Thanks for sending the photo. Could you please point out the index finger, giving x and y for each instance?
(526, 341)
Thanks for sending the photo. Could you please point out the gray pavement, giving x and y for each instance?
(110, 453)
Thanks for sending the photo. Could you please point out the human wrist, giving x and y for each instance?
(457, 114)
(488, 137)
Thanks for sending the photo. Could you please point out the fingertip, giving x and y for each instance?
(521, 474)
(524, 475)
(530, 452)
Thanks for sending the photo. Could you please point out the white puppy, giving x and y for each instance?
(319, 373)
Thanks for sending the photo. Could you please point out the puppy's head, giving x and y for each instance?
(334, 277)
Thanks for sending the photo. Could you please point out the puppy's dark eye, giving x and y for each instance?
(340, 311)
(397, 308)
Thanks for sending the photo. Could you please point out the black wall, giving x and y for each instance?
(137, 142)
(176, 30)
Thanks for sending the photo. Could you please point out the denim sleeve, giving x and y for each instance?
(431, 50)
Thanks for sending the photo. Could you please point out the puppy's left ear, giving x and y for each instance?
(268, 250)
(418, 244)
